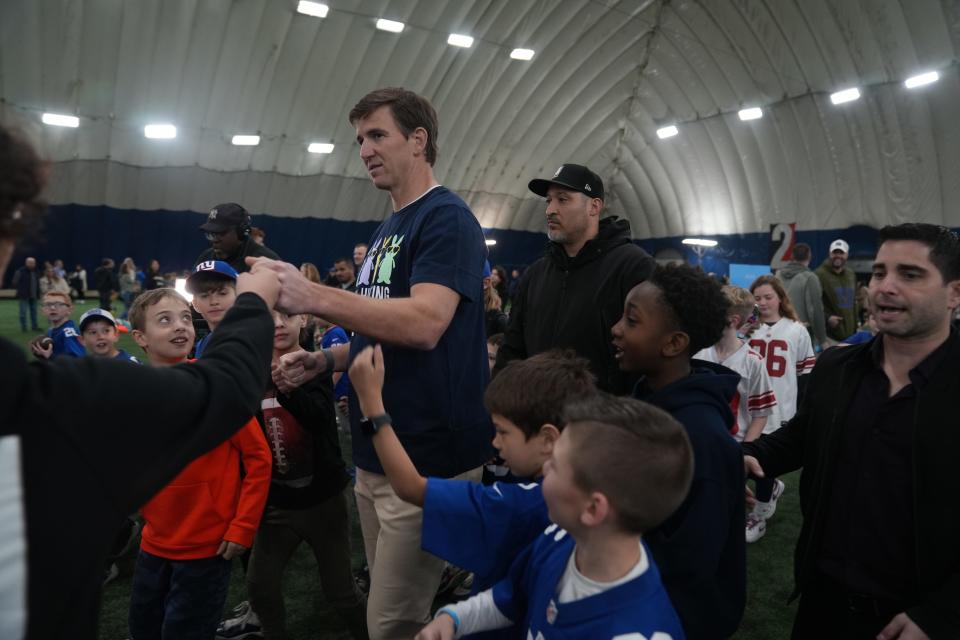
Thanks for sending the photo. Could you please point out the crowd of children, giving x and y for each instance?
(602, 516)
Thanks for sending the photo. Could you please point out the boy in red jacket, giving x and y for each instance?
(205, 516)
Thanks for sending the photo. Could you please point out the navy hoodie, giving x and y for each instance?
(700, 549)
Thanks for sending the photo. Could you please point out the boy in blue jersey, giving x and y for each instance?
(62, 339)
(590, 575)
(99, 336)
(214, 287)
(482, 528)
(700, 549)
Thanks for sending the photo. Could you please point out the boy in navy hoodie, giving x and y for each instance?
(700, 549)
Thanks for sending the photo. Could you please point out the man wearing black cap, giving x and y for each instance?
(228, 231)
(572, 296)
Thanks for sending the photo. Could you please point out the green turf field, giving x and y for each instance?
(769, 561)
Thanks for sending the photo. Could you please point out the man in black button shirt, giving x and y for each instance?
(877, 437)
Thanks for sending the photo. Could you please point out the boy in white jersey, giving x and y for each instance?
(785, 345)
(755, 400)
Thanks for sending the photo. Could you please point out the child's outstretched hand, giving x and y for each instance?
(440, 629)
(366, 376)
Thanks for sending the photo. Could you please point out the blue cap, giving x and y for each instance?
(102, 314)
(487, 271)
(211, 268)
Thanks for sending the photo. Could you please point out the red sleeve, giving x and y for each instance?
(257, 463)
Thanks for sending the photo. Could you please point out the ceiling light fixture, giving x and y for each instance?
(921, 80)
(753, 113)
(459, 40)
(846, 95)
(389, 25)
(667, 132)
(315, 9)
(160, 131)
(320, 147)
(522, 54)
(59, 120)
(699, 242)
(245, 140)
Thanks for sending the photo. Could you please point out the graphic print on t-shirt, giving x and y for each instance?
(377, 270)
(290, 444)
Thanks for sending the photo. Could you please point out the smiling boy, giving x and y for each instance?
(99, 336)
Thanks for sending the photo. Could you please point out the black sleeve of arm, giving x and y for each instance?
(513, 347)
(162, 418)
(781, 452)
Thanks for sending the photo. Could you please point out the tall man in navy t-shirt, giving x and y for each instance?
(421, 297)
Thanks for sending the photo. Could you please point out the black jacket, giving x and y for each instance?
(700, 549)
(105, 280)
(248, 249)
(812, 440)
(572, 303)
(81, 475)
(312, 404)
(27, 283)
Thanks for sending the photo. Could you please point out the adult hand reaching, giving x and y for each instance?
(262, 282)
(294, 369)
(296, 292)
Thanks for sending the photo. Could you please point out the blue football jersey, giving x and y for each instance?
(66, 340)
(481, 528)
(201, 343)
(636, 609)
(123, 355)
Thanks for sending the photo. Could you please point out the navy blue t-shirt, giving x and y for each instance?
(434, 397)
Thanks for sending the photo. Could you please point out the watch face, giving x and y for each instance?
(367, 427)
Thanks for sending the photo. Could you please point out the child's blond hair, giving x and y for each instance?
(741, 302)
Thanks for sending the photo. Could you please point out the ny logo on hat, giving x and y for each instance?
(586, 187)
(559, 171)
(209, 265)
(213, 214)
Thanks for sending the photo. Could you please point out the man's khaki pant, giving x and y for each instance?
(403, 579)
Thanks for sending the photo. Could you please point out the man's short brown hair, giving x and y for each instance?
(410, 112)
(138, 310)
(531, 393)
(635, 454)
(801, 252)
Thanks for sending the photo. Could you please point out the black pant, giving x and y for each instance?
(828, 610)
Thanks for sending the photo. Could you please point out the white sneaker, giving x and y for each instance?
(246, 626)
(756, 527)
(766, 510)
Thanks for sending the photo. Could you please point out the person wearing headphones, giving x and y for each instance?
(228, 228)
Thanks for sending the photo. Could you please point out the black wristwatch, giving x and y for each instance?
(370, 425)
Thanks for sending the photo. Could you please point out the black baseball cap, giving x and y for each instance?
(575, 177)
(225, 216)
